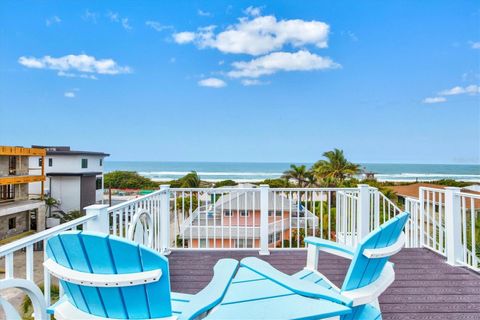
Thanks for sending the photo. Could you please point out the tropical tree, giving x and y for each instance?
(297, 173)
(191, 180)
(335, 166)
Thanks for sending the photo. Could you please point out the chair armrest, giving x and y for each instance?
(298, 286)
(213, 293)
(101, 280)
(330, 246)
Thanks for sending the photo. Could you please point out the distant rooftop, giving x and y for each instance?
(65, 150)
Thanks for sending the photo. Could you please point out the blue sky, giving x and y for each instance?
(387, 81)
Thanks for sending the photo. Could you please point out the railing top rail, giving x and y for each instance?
(227, 189)
(431, 189)
(224, 189)
(132, 201)
(314, 189)
(470, 195)
(42, 235)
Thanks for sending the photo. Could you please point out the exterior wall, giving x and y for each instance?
(22, 224)
(87, 191)
(68, 163)
(65, 163)
(67, 190)
(70, 198)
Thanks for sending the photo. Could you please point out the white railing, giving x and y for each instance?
(264, 219)
(432, 214)
(413, 231)
(28, 252)
(470, 222)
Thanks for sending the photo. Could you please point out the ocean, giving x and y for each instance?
(249, 171)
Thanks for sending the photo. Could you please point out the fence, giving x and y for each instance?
(264, 219)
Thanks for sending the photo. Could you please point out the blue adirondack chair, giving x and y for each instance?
(106, 277)
(259, 291)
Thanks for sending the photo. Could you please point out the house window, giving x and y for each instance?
(50, 162)
(277, 213)
(40, 161)
(101, 162)
(242, 243)
(98, 183)
(227, 213)
(7, 192)
(12, 223)
(243, 213)
(84, 163)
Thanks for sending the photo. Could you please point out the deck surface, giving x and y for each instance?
(425, 286)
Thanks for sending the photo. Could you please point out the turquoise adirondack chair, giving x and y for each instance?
(259, 291)
(106, 277)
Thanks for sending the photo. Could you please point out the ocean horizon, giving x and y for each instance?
(257, 171)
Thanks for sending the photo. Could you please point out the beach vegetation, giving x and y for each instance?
(277, 183)
(225, 183)
(190, 180)
(128, 180)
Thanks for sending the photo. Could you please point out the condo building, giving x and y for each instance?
(22, 209)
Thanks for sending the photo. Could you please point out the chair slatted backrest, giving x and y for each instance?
(103, 254)
(363, 271)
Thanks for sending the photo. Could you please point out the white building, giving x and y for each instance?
(74, 178)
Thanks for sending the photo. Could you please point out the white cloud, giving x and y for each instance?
(184, 37)
(69, 94)
(253, 82)
(454, 91)
(212, 83)
(431, 100)
(75, 65)
(253, 11)
(76, 75)
(260, 35)
(125, 24)
(53, 20)
(203, 13)
(475, 45)
(115, 17)
(157, 26)
(471, 89)
(90, 16)
(281, 61)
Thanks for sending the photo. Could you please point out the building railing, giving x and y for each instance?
(264, 219)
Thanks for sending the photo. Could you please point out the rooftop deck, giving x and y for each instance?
(425, 286)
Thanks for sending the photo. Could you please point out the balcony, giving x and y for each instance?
(437, 273)
(19, 176)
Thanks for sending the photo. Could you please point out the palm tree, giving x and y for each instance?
(297, 173)
(191, 180)
(335, 167)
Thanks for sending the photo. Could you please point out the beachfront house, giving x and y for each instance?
(232, 220)
(73, 178)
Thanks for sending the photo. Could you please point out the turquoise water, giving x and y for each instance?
(245, 172)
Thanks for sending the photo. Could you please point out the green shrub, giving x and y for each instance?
(128, 180)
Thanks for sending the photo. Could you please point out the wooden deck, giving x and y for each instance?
(425, 286)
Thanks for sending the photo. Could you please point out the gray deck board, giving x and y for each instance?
(425, 286)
